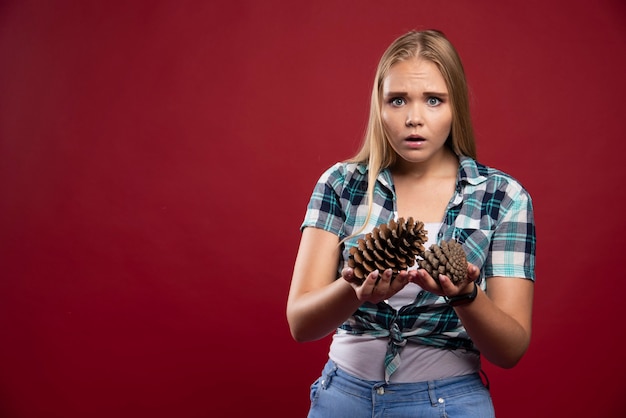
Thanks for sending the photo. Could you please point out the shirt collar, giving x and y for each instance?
(470, 171)
(384, 177)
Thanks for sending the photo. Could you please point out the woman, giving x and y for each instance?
(412, 346)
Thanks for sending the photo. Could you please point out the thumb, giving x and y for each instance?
(472, 272)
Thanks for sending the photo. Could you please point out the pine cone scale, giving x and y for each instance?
(448, 259)
(395, 245)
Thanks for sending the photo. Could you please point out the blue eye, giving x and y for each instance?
(433, 101)
(397, 101)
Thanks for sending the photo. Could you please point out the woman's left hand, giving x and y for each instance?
(499, 323)
(445, 286)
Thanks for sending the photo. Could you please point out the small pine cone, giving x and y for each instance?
(395, 245)
(448, 259)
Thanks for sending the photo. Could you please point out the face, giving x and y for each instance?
(416, 111)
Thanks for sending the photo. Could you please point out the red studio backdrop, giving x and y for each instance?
(156, 159)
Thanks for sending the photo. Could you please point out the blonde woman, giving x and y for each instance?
(412, 346)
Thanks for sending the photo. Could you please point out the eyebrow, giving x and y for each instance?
(425, 94)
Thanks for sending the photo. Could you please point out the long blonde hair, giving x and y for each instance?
(431, 45)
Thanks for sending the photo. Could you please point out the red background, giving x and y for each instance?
(156, 158)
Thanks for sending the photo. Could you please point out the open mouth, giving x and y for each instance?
(415, 142)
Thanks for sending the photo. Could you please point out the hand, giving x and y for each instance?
(445, 286)
(377, 286)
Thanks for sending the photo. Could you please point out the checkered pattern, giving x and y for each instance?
(490, 214)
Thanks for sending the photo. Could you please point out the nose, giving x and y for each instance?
(413, 117)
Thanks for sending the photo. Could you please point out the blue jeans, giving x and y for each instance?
(337, 394)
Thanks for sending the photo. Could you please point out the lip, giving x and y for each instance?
(414, 141)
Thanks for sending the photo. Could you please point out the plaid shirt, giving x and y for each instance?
(490, 214)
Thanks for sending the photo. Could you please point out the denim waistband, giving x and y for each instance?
(432, 390)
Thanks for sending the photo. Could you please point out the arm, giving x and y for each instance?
(318, 303)
(499, 321)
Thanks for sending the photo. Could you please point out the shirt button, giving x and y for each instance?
(380, 391)
(440, 400)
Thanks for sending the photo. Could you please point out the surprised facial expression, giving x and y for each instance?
(416, 111)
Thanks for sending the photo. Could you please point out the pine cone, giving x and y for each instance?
(448, 259)
(394, 245)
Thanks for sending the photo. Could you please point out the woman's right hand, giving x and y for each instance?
(377, 286)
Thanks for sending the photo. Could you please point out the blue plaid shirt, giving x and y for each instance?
(490, 214)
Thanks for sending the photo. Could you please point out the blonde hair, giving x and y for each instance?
(431, 45)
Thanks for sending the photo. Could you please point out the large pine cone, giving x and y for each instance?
(395, 245)
(448, 259)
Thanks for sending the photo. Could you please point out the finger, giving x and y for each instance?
(348, 275)
(418, 277)
(425, 280)
(382, 287)
(386, 276)
(369, 283)
(401, 280)
(449, 289)
(413, 276)
(472, 271)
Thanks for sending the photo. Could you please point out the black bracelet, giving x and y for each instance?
(462, 299)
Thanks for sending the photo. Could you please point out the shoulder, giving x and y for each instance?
(345, 169)
(342, 173)
(490, 178)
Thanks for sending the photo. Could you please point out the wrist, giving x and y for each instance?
(463, 299)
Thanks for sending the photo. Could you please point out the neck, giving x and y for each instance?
(443, 164)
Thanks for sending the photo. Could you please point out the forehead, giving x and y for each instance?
(414, 73)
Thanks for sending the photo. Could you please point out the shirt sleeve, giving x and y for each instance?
(512, 252)
(324, 210)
